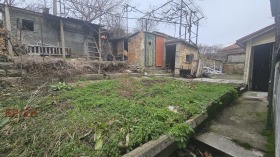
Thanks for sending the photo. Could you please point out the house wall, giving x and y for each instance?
(276, 93)
(236, 58)
(235, 64)
(75, 34)
(180, 58)
(268, 38)
(136, 50)
(50, 30)
(233, 68)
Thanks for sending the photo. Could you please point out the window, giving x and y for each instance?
(189, 58)
(27, 25)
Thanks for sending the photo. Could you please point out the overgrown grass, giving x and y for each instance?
(243, 144)
(106, 118)
(270, 146)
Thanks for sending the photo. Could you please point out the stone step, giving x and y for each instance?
(11, 73)
(3, 58)
(6, 65)
(226, 145)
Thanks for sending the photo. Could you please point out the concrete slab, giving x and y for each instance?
(226, 145)
(259, 96)
(225, 81)
(244, 121)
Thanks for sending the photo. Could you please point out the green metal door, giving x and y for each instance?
(150, 50)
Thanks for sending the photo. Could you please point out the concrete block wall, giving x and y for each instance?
(50, 29)
(75, 34)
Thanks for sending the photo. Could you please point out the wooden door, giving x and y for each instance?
(159, 51)
(150, 50)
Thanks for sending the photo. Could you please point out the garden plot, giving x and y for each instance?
(105, 118)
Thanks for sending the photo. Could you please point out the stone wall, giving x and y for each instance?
(136, 50)
(233, 68)
(207, 62)
(240, 58)
(182, 50)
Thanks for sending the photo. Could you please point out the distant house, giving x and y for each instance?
(155, 50)
(235, 59)
(46, 34)
(259, 47)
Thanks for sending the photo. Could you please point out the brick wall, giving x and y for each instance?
(136, 49)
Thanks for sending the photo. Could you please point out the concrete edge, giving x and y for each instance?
(153, 148)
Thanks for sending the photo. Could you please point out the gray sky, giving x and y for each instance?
(226, 20)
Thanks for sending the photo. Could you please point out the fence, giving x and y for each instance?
(47, 50)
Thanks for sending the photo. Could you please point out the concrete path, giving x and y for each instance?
(239, 124)
(226, 81)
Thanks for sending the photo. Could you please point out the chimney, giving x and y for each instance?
(46, 10)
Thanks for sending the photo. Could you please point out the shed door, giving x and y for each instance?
(159, 51)
(150, 50)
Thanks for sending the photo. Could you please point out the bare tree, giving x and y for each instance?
(91, 10)
(115, 24)
(146, 25)
(12, 2)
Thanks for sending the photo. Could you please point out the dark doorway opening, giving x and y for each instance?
(126, 44)
(261, 67)
(170, 57)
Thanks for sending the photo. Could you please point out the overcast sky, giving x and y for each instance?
(226, 20)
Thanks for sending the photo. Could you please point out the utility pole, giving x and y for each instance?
(126, 8)
(185, 32)
(197, 32)
(190, 26)
(181, 18)
(146, 22)
(55, 7)
(62, 39)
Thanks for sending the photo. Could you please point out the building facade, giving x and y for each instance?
(45, 34)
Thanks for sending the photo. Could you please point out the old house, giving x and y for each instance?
(259, 48)
(147, 50)
(274, 92)
(235, 59)
(46, 34)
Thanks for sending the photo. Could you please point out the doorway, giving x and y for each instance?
(149, 50)
(261, 67)
(170, 57)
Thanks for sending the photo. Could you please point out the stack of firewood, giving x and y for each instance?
(3, 34)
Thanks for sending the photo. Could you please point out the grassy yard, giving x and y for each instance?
(106, 118)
